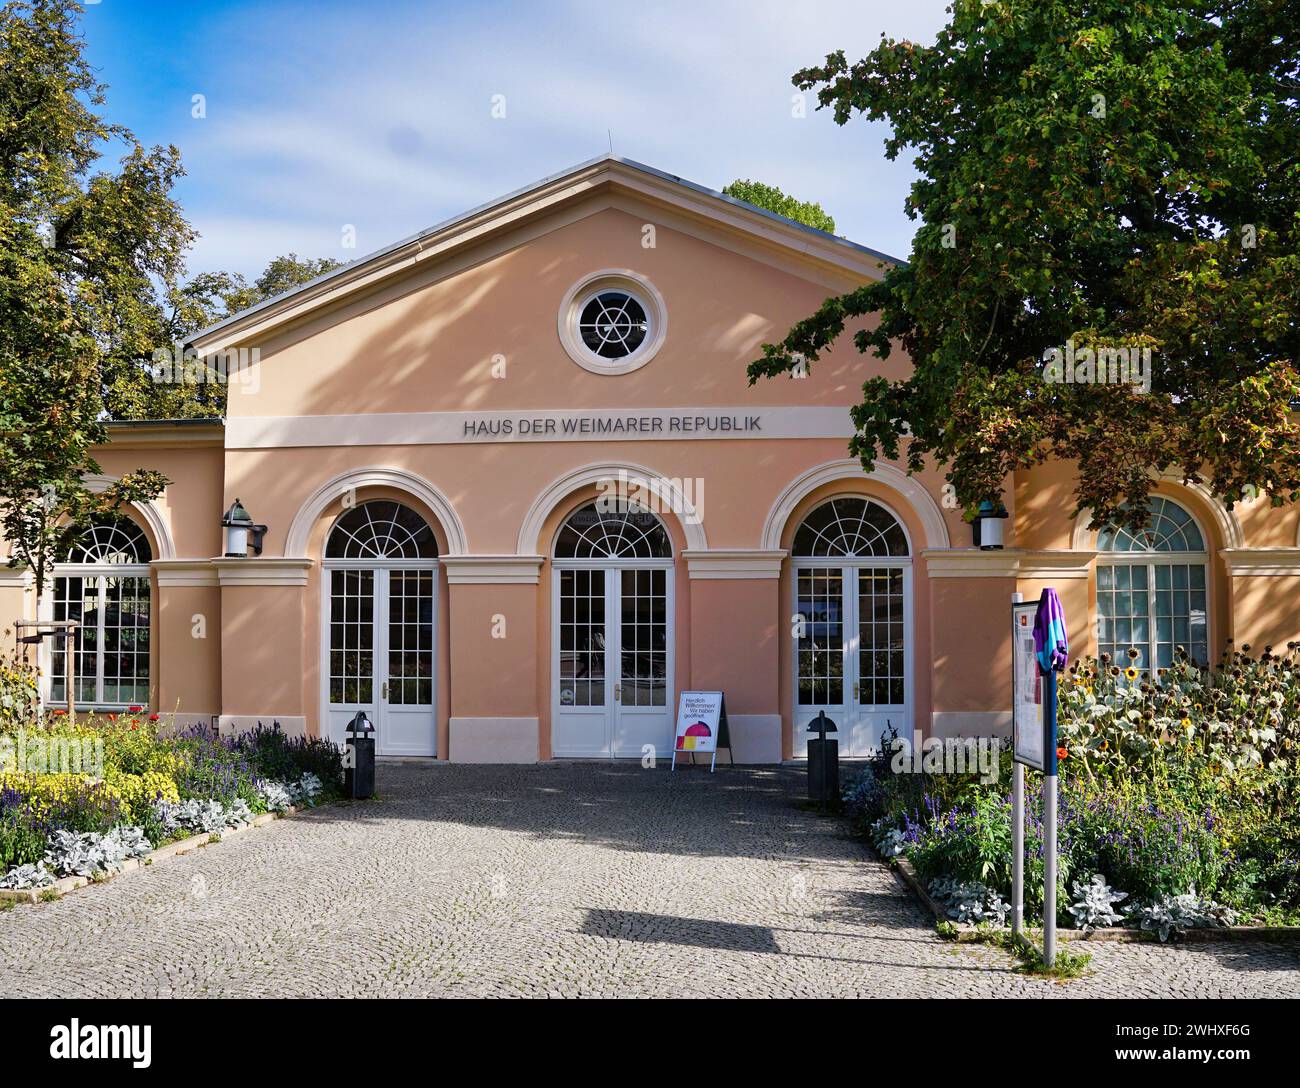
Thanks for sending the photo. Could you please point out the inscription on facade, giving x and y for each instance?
(613, 425)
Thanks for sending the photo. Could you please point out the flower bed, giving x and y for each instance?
(88, 797)
(1177, 804)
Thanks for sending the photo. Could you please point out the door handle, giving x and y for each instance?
(618, 693)
(857, 695)
(384, 690)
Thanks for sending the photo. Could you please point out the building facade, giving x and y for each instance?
(518, 493)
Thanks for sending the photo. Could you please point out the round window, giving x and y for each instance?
(612, 322)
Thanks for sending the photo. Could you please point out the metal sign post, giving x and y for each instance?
(1038, 648)
(1017, 824)
(1049, 822)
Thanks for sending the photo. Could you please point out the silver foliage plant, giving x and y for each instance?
(24, 877)
(200, 817)
(887, 838)
(1171, 915)
(970, 902)
(1094, 904)
(280, 796)
(72, 853)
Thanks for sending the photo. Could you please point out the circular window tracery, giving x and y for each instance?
(612, 322)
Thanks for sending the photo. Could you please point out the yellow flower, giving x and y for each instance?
(1131, 673)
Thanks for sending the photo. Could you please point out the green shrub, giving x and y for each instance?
(20, 842)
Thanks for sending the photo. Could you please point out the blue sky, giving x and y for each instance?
(379, 115)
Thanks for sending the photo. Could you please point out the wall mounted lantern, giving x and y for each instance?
(987, 526)
(241, 532)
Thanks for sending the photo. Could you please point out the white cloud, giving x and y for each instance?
(380, 117)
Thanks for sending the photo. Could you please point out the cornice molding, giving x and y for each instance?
(1055, 564)
(733, 563)
(185, 573)
(477, 570)
(274, 571)
(971, 563)
(1262, 562)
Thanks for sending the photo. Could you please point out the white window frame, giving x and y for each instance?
(1151, 560)
(95, 570)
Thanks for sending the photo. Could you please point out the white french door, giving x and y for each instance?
(852, 654)
(612, 654)
(379, 654)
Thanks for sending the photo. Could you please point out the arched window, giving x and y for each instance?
(850, 527)
(1151, 589)
(381, 529)
(852, 571)
(629, 532)
(103, 584)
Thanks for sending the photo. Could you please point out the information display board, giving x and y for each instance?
(701, 725)
(1028, 726)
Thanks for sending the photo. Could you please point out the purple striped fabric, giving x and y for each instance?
(1051, 644)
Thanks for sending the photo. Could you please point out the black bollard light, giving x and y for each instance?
(823, 761)
(359, 764)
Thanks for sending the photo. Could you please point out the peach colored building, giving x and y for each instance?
(441, 439)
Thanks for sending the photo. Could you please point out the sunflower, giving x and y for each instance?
(1131, 673)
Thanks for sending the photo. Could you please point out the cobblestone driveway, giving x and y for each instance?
(560, 879)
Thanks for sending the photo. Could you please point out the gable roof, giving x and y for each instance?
(577, 182)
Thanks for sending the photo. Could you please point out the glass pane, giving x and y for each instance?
(880, 633)
(410, 635)
(581, 662)
(820, 603)
(643, 669)
(352, 636)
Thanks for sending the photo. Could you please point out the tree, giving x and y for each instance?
(1094, 179)
(80, 252)
(133, 392)
(772, 199)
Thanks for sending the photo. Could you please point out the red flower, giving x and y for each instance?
(59, 712)
(1061, 753)
(135, 709)
(153, 717)
(112, 717)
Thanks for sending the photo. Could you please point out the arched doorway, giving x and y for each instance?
(379, 610)
(853, 614)
(612, 641)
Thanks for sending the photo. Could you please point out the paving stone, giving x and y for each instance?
(560, 880)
